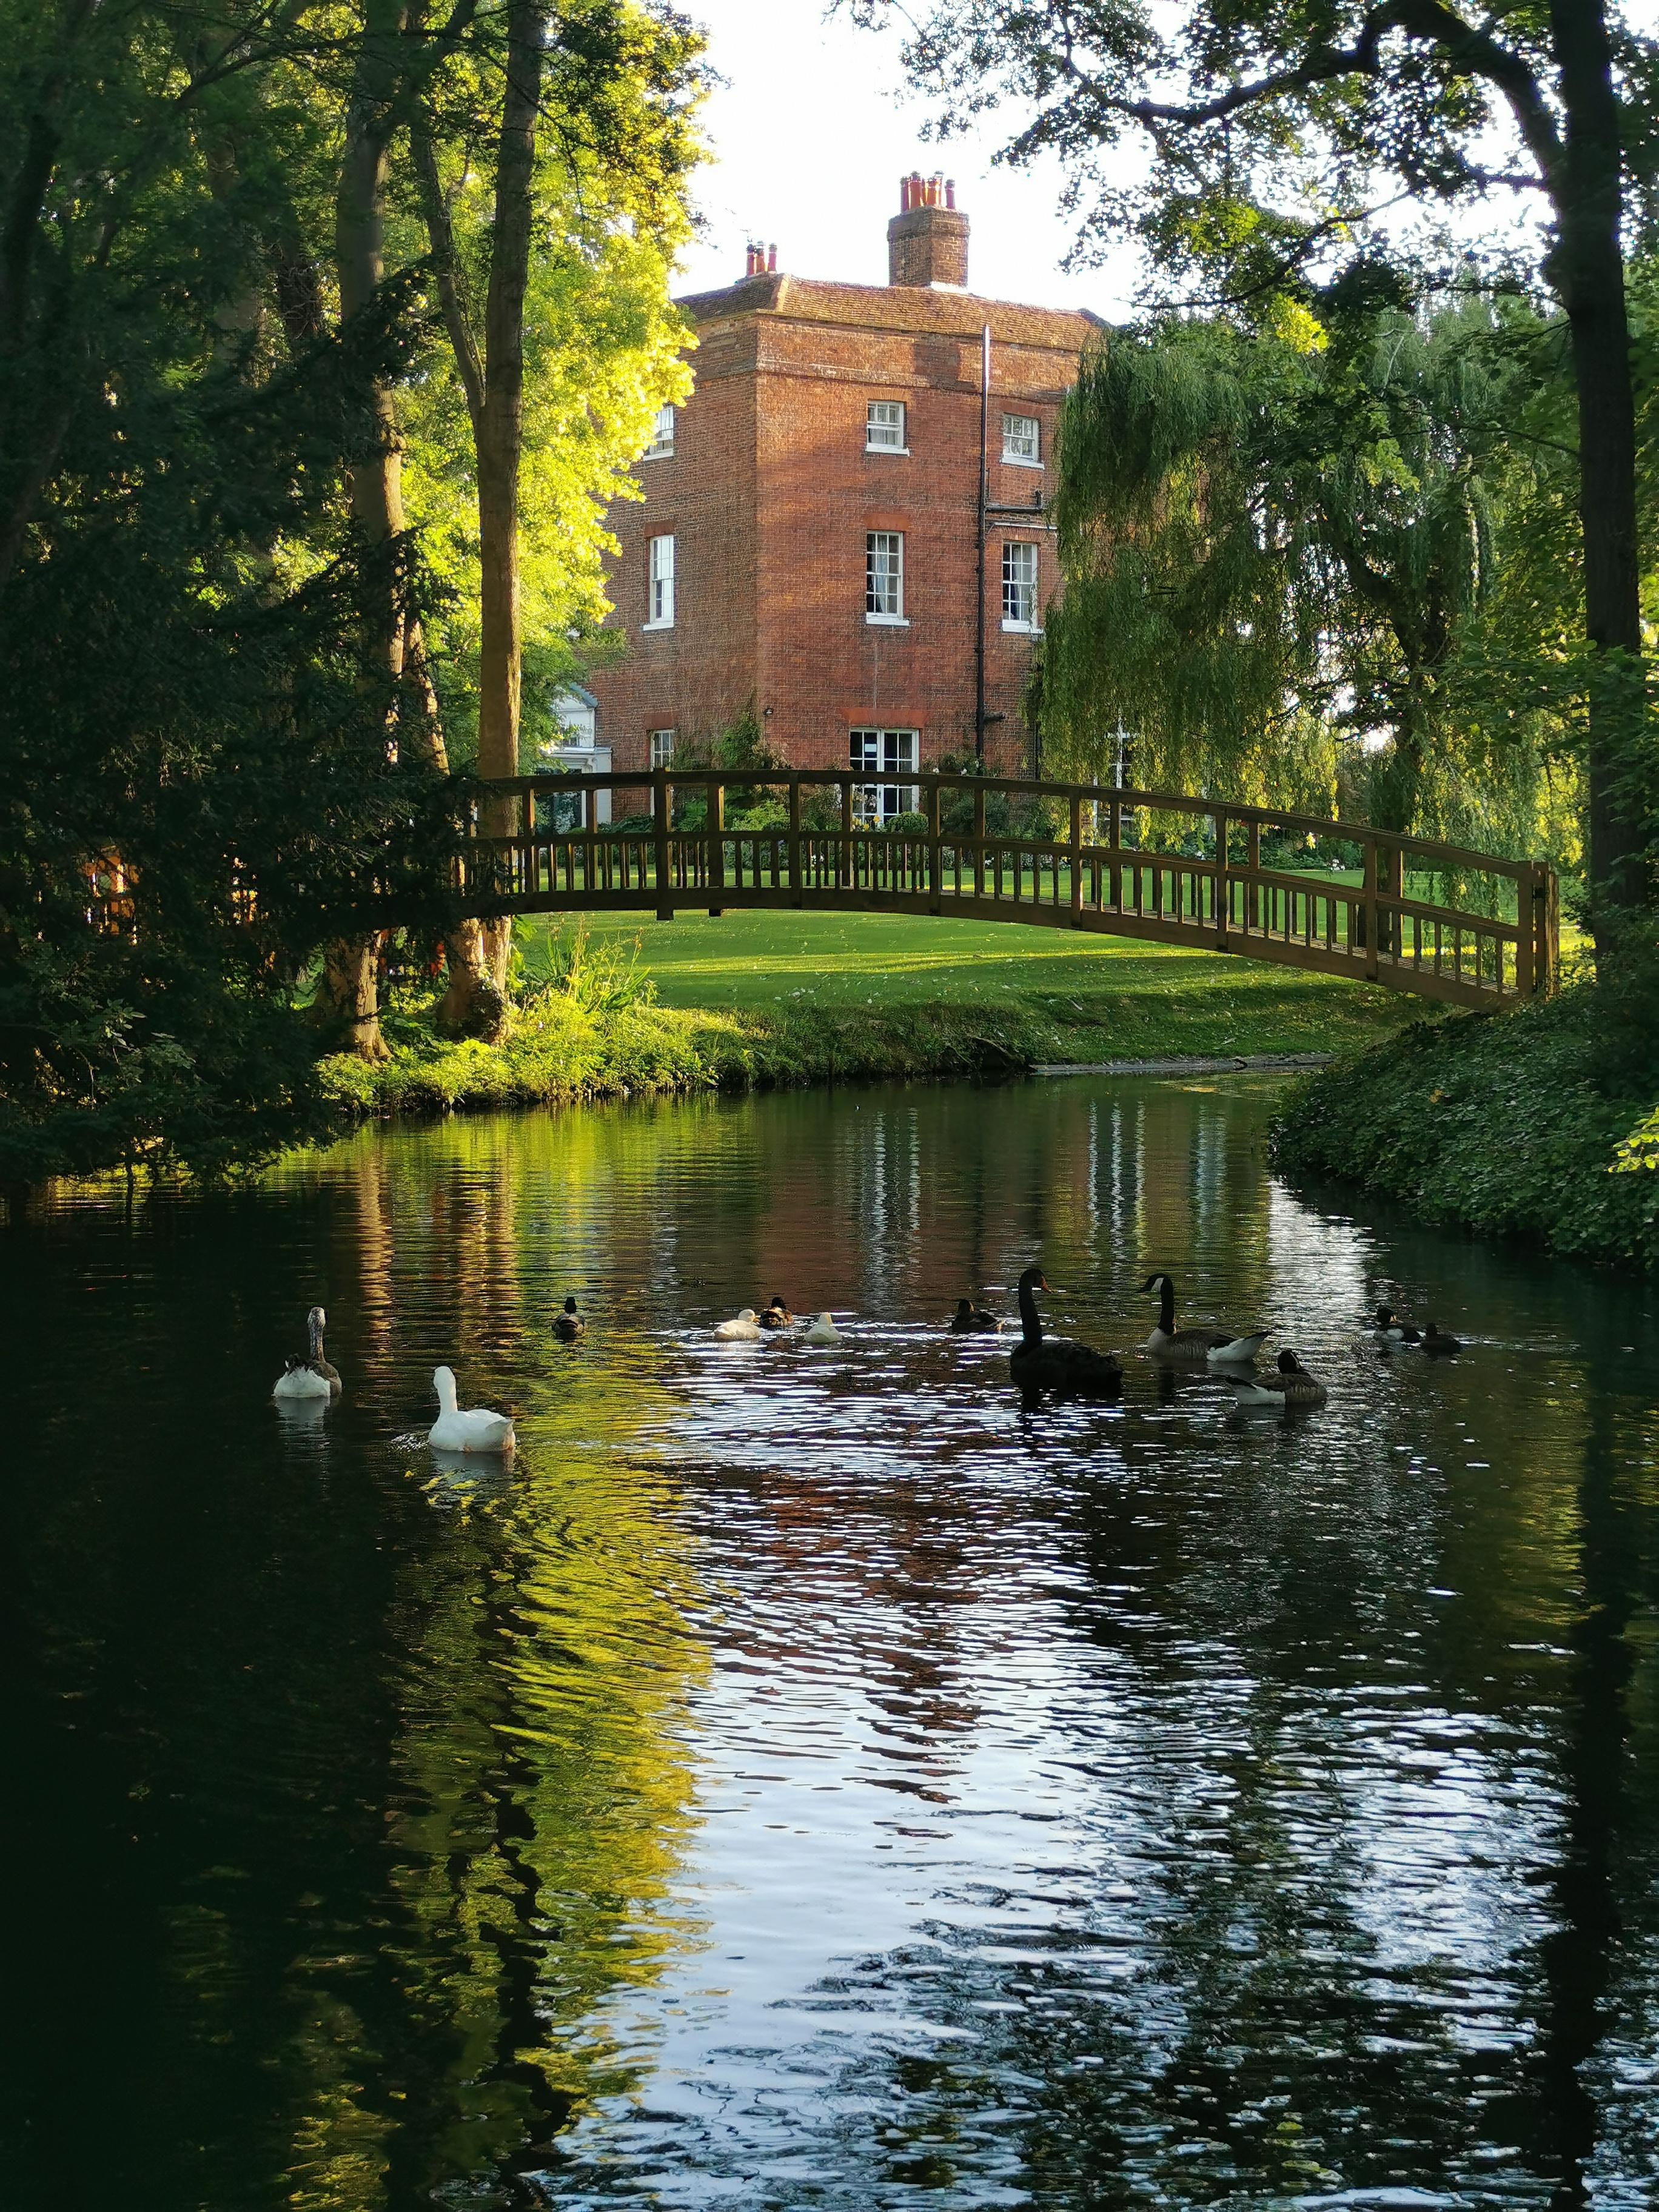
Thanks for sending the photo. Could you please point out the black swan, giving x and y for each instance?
(1056, 1363)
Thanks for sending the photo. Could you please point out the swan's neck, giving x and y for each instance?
(1166, 1306)
(444, 1383)
(315, 1328)
(1028, 1314)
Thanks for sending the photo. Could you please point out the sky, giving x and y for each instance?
(811, 133)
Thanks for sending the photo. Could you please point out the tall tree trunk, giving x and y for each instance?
(495, 390)
(349, 990)
(1586, 266)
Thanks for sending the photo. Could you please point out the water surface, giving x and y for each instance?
(816, 1778)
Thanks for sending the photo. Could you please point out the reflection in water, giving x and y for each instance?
(812, 1777)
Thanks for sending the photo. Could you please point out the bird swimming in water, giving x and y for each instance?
(969, 1320)
(1218, 1347)
(1058, 1363)
(569, 1324)
(312, 1376)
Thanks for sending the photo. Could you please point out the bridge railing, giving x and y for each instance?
(1415, 915)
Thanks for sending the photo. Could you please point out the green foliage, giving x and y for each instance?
(1274, 546)
(1525, 1123)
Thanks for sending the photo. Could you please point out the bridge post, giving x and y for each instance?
(844, 869)
(660, 802)
(1222, 890)
(1253, 895)
(716, 828)
(935, 851)
(1076, 861)
(794, 842)
(1371, 910)
(979, 840)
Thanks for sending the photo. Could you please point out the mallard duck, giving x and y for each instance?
(1215, 1345)
(744, 1328)
(1390, 1325)
(312, 1376)
(823, 1331)
(477, 1430)
(777, 1315)
(1292, 1385)
(1057, 1363)
(969, 1320)
(1437, 1344)
(569, 1324)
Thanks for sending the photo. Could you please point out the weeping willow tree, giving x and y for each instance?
(1283, 554)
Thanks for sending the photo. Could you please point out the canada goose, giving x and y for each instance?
(823, 1331)
(969, 1320)
(1214, 1344)
(1437, 1344)
(777, 1315)
(1389, 1324)
(1292, 1385)
(1057, 1363)
(477, 1429)
(569, 1324)
(312, 1376)
(744, 1329)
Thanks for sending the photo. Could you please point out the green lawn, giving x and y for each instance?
(1121, 997)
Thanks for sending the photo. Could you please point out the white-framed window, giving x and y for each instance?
(659, 585)
(884, 427)
(1019, 585)
(660, 744)
(883, 576)
(879, 753)
(662, 436)
(1022, 440)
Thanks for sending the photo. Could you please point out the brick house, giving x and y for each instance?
(809, 540)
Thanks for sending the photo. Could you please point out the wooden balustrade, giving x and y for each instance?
(1482, 944)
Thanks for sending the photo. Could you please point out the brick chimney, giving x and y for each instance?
(927, 238)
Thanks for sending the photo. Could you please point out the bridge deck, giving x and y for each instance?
(1490, 938)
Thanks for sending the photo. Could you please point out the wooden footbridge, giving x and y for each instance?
(1422, 917)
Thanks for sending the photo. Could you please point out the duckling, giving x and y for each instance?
(1291, 1386)
(1438, 1344)
(744, 1329)
(823, 1331)
(969, 1320)
(1390, 1325)
(777, 1315)
(1214, 1345)
(312, 1376)
(1058, 1363)
(569, 1324)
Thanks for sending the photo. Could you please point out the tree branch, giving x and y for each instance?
(441, 231)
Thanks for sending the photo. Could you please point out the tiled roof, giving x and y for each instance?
(896, 308)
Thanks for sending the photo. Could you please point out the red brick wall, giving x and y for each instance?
(770, 494)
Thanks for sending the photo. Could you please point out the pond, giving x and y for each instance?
(817, 1777)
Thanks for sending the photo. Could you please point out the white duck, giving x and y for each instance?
(477, 1429)
(312, 1376)
(823, 1331)
(745, 1330)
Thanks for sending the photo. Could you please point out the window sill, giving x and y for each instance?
(1023, 629)
(888, 622)
(897, 453)
(1018, 461)
(658, 625)
(662, 453)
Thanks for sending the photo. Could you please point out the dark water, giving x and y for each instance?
(812, 1778)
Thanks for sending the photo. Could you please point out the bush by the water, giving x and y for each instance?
(1539, 1123)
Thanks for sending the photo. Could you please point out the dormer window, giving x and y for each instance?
(1022, 440)
(662, 436)
(884, 427)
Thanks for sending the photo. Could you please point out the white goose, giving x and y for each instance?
(477, 1429)
(312, 1376)
(823, 1331)
(744, 1329)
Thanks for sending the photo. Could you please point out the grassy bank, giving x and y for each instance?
(757, 1000)
(1542, 1123)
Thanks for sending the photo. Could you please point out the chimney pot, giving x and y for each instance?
(950, 191)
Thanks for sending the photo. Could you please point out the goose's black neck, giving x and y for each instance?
(314, 1332)
(1166, 1305)
(1029, 1319)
